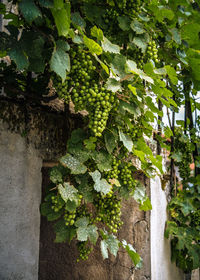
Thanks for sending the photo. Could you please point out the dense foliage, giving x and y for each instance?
(124, 63)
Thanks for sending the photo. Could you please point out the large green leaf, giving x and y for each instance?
(110, 141)
(76, 166)
(93, 47)
(113, 244)
(190, 33)
(136, 259)
(19, 57)
(97, 32)
(78, 20)
(67, 192)
(109, 242)
(132, 67)
(60, 62)
(137, 27)
(29, 10)
(113, 85)
(82, 222)
(146, 205)
(127, 141)
(56, 174)
(62, 18)
(104, 249)
(141, 41)
(124, 22)
(109, 47)
(101, 185)
(103, 161)
(64, 233)
(46, 3)
(118, 65)
(85, 231)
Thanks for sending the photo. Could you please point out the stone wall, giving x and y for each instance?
(20, 196)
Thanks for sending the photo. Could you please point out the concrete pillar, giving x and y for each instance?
(20, 195)
(161, 266)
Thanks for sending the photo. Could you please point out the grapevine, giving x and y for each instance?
(122, 64)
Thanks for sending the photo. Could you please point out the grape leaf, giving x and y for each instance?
(78, 20)
(74, 164)
(141, 42)
(110, 142)
(126, 139)
(71, 205)
(145, 205)
(63, 233)
(104, 249)
(113, 85)
(139, 193)
(60, 62)
(101, 185)
(118, 65)
(109, 242)
(67, 192)
(92, 233)
(29, 10)
(124, 22)
(113, 244)
(46, 3)
(19, 57)
(137, 27)
(103, 160)
(109, 47)
(132, 67)
(93, 47)
(56, 175)
(52, 215)
(85, 231)
(82, 222)
(97, 32)
(62, 18)
(132, 253)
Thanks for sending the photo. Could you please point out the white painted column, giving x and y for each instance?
(161, 266)
(20, 196)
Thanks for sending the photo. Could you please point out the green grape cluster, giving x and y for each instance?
(109, 211)
(111, 16)
(87, 94)
(195, 218)
(57, 202)
(104, 103)
(69, 217)
(152, 51)
(135, 132)
(114, 172)
(84, 251)
(133, 7)
(127, 177)
(137, 55)
(110, 19)
(61, 88)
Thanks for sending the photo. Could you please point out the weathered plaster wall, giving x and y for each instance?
(20, 196)
(161, 266)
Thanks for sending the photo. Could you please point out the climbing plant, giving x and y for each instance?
(121, 64)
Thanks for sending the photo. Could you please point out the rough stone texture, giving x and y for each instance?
(58, 261)
(195, 274)
(161, 266)
(20, 195)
